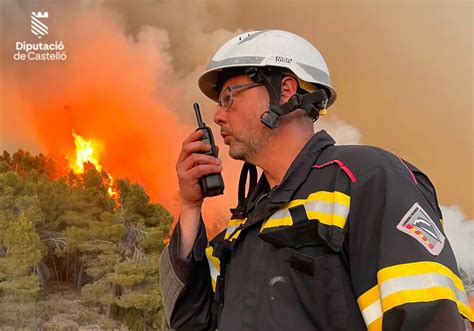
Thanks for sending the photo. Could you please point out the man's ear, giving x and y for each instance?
(289, 86)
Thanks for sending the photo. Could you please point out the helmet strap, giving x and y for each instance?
(250, 171)
(311, 103)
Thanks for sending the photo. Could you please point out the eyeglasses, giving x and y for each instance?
(226, 98)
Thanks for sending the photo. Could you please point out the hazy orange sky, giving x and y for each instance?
(402, 70)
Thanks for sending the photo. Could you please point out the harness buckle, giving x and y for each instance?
(295, 100)
(270, 119)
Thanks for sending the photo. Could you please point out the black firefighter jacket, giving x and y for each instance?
(351, 239)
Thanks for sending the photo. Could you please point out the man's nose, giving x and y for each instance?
(220, 116)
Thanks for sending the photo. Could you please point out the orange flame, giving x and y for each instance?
(86, 151)
(89, 151)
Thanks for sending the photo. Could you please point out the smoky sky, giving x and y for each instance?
(402, 70)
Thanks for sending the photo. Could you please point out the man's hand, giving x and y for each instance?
(191, 166)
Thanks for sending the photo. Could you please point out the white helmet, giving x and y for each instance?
(274, 48)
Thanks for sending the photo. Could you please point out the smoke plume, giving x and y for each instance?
(126, 84)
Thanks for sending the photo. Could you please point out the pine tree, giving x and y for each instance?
(69, 230)
(131, 288)
(19, 280)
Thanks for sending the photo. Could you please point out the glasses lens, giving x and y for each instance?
(226, 101)
(226, 98)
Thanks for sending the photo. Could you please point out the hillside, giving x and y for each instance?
(75, 250)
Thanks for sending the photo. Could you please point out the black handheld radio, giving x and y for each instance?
(212, 184)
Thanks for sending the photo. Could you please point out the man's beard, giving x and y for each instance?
(242, 150)
(252, 138)
(249, 143)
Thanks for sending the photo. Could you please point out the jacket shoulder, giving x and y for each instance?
(359, 158)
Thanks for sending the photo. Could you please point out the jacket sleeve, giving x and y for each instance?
(402, 266)
(186, 284)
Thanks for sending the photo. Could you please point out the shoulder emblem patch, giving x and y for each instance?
(417, 224)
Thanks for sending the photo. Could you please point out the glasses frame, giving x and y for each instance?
(240, 88)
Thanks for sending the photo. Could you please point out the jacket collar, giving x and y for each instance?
(295, 175)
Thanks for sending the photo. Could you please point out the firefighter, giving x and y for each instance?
(329, 238)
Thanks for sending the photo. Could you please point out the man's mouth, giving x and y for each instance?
(226, 136)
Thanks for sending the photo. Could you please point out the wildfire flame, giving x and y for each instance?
(88, 151)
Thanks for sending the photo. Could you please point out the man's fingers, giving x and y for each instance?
(196, 135)
(204, 169)
(192, 147)
(194, 159)
(196, 146)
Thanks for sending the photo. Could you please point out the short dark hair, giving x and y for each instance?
(226, 74)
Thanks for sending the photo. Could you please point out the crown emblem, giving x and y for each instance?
(40, 14)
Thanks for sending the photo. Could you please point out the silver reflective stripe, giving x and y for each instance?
(317, 206)
(372, 312)
(327, 208)
(171, 286)
(212, 268)
(280, 214)
(419, 282)
(230, 229)
(317, 74)
(406, 283)
(243, 60)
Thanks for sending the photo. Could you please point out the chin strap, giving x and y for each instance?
(247, 169)
(312, 103)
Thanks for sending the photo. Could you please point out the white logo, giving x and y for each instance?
(418, 224)
(427, 227)
(38, 27)
(40, 51)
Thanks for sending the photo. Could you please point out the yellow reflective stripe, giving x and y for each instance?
(214, 266)
(369, 297)
(234, 236)
(271, 223)
(429, 286)
(413, 282)
(214, 284)
(418, 268)
(235, 222)
(232, 224)
(331, 197)
(328, 219)
(330, 208)
(371, 307)
(324, 196)
(426, 295)
(375, 325)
